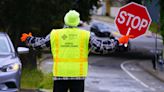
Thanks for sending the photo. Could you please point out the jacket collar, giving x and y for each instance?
(65, 26)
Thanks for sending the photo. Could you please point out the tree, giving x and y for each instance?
(84, 7)
(162, 18)
(136, 1)
(38, 16)
(17, 16)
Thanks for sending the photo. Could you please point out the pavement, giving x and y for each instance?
(158, 73)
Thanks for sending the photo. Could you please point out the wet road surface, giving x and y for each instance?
(115, 74)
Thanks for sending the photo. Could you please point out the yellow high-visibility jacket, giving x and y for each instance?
(69, 47)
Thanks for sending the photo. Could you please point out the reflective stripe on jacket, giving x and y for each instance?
(69, 48)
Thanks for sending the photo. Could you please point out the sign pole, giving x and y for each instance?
(156, 53)
(128, 32)
(156, 44)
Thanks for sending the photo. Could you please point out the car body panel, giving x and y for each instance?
(8, 59)
(9, 80)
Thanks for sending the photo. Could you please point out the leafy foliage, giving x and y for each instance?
(136, 1)
(162, 18)
(38, 16)
(84, 7)
(154, 27)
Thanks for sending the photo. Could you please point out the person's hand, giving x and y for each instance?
(25, 36)
(124, 39)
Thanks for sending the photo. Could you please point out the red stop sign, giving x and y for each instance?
(133, 19)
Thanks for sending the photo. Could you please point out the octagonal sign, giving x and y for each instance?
(133, 19)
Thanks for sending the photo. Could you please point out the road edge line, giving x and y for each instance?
(132, 76)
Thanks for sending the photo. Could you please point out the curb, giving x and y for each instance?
(44, 90)
(35, 90)
(153, 72)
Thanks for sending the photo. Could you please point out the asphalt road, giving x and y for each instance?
(116, 73)
(119, 74)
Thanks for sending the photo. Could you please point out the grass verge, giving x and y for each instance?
(34, 79)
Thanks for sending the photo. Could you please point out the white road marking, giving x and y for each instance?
(135, 78)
